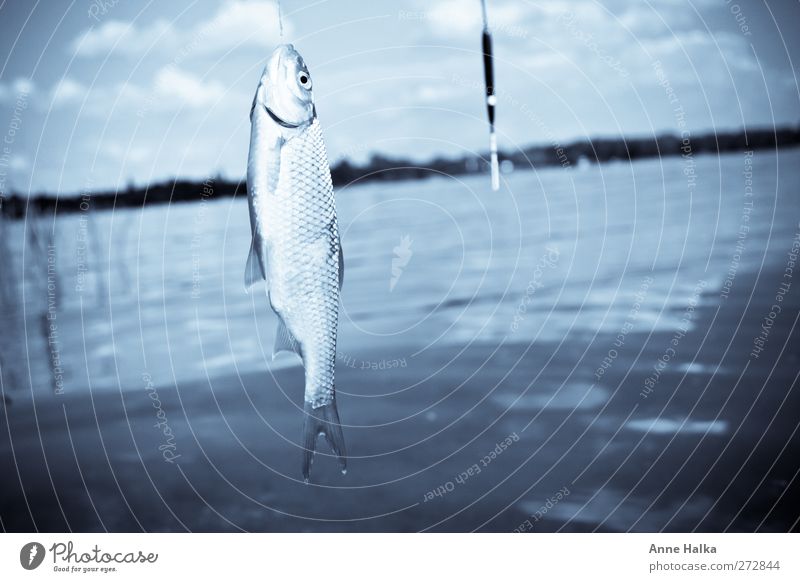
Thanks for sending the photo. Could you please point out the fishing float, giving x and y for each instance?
(491, 100)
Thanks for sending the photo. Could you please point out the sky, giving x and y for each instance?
(99, 94)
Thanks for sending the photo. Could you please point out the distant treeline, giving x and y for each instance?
(381, 168)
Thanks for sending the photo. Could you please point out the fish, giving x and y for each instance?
(295, 248)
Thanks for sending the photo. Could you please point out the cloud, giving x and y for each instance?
(707, 52)
(644, 20)
(23, 85)
(450, 18)
(19, 163)
(435, 94)
(388, 85)
(185, 88)
(245, 22)
(660, 426)
(124, 38)
(171, 89)
(127, 153)
(236, 23)
(66, 92)
(20, 88)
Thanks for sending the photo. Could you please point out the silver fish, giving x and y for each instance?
(295, 247)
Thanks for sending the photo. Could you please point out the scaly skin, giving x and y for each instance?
(302, 236)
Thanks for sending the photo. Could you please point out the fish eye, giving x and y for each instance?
(305, 79)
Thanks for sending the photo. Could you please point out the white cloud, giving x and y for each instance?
(123, 38)
(236, 23)
(23, 85)
(20, 88)
(186, 88)
(170, 89)
(435, 94)
(648, 21)
(451, 17)
(19, 163)
(677, 43)
(662, 426)
(244, 22)
(67, 92)
(546, 60)
(126, 152)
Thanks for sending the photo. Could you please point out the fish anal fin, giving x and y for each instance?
(284, 341)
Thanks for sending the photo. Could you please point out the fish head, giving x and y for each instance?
(288, 86)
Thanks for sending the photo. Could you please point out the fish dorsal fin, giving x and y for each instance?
(284, 340)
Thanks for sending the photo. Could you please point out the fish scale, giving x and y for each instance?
(303, 237)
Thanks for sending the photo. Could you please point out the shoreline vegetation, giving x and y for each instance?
(382, 168)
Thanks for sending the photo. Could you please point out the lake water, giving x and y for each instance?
(602, 318)
(428, 263)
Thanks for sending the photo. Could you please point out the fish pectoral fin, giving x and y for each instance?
(284, 341)
(253, 270)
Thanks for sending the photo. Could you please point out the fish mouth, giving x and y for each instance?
(284, 54)
(285, 49)
(286, 102)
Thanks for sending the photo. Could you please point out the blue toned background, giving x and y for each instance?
(595, 347)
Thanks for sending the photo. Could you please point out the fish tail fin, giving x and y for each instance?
(322, 420)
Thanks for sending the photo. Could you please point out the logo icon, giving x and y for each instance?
(31, 555)
(402, 254)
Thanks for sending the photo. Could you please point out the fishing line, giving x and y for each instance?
(280, 18)
(483, 11)
(491, 100)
